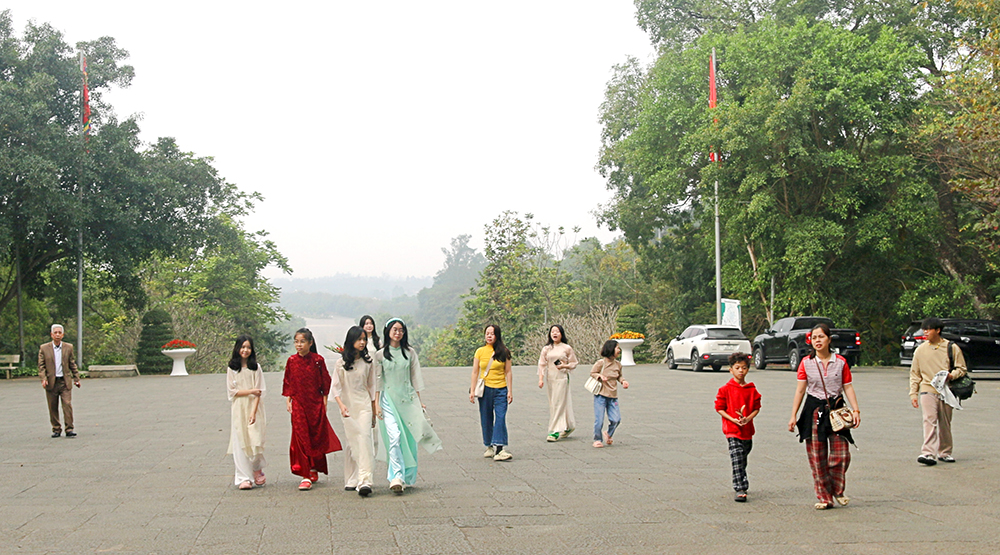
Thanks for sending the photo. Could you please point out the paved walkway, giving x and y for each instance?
(149, 474)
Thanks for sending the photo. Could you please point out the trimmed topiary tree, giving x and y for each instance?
(157, 331)
(631, 317)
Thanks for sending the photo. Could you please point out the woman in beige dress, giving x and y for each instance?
(245, 385)
(554, 365)
(353, 389)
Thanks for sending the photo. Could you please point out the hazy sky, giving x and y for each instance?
(376, 131)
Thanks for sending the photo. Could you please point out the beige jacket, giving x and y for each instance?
(928, 360)
(47, 364)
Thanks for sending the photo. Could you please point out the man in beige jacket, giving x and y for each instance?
(929, 358)
(56, 368)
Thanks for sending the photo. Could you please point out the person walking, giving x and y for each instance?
(367, 323)
(609, 371)
(930, 359)
(492, 365)
(403, 422)
(248, 423)
(305, 388)
(354, 391)
(738, 403)
(57, 368)
(824, 378)
(554, 365)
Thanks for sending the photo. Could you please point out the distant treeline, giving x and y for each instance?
(380, 287)
(321, 305)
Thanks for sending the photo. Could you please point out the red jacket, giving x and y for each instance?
(737, 399)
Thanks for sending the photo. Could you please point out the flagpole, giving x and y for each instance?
(84, 136)
(718, 241)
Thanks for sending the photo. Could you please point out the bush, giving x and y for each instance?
(157, 330)
(631, 317)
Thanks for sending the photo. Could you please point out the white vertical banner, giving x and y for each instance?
(732, 313)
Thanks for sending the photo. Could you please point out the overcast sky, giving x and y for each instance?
(380, 128)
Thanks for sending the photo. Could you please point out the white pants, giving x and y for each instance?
(359, 450)
(245, 467)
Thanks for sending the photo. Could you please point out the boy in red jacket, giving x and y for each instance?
(738, 403)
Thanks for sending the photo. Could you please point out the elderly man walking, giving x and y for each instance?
(56, 367)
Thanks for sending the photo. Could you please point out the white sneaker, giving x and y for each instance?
(490, 451)
(397, 486)
(503, 455)
(946, 458)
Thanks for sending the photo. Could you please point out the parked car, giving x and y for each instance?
(706, 345)
(978, 339)
(785, 342)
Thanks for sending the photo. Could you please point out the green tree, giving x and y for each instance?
(818, 187)
(440, 304)
(131, 203)
(157, 331)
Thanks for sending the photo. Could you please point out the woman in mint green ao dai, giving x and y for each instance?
(402, 422)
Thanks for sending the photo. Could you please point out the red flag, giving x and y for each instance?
(712, 156)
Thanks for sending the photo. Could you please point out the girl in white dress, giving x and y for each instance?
(245, 384)
(354, 391)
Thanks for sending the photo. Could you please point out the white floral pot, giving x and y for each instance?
(178, 356)
(627, 345)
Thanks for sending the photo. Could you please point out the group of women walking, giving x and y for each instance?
(378, 385)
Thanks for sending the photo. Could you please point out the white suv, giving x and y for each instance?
(706, 345)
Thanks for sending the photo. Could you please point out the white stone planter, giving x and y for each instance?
(627, 345)
(178, 356)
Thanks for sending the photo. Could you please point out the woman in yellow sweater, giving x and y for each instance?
(492, 364)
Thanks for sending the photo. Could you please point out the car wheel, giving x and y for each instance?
(696, 365)
(793, 359)
(758, 359)
(671, 363)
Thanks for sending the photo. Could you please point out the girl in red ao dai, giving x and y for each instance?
(305, 388)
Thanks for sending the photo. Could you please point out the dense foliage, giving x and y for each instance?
(161, 229)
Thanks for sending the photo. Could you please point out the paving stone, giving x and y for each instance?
(149, 474)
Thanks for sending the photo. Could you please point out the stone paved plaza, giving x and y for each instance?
(149, 474)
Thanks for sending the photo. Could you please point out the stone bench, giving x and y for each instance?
(9, 362)
(112, 370)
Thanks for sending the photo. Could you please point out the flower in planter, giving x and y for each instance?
(178, 344)
(628, 335)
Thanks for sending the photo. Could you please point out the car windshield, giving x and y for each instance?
(723, 333)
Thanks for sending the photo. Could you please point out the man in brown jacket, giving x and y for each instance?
(56, 367)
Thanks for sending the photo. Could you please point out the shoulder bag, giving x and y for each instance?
(481, 381)
(594, 385)
(963, 387)
(839, 418)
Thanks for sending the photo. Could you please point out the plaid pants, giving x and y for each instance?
(829, 461)
(739, 450)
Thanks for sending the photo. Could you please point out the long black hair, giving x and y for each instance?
(404, 343)
(826, 330)
(350, 354)
(236, 362)
(562, 332)
(308, 335)
(375, 339)
(500, 351)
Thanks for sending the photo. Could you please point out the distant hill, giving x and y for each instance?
(377, 287)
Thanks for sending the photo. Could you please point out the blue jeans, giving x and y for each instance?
(493, 416)
(604, 404)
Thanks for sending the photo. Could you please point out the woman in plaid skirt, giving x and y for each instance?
(824, 376)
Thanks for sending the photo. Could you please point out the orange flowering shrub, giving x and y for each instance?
(628, 335)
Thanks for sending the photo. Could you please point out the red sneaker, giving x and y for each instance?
(313, 476)
(305, 484)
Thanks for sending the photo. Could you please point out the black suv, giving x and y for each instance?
(978, 339)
